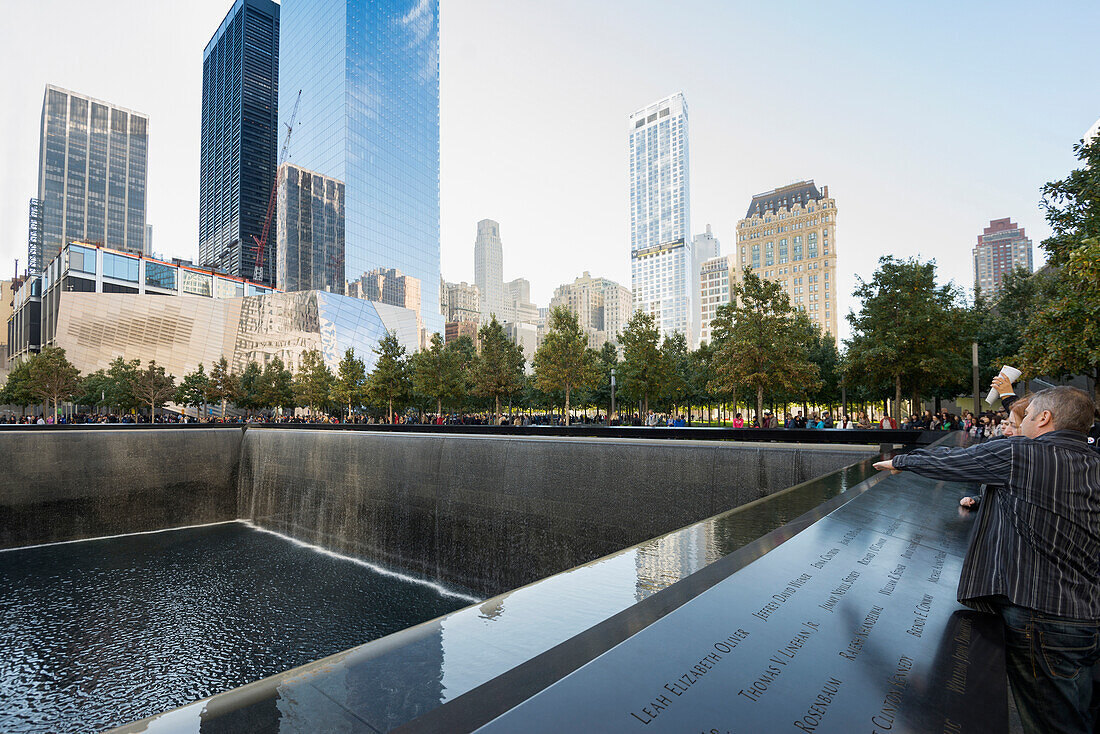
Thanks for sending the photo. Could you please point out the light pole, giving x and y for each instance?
(974, 368)
(612, 416)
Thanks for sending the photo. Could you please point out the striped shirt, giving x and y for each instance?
(1037, 540)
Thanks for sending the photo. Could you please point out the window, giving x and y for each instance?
(198, 284)
(120, 267)
(81, 259)
(160, 276)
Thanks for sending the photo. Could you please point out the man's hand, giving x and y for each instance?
(887, 465)
(1002, 384)
(967, 502)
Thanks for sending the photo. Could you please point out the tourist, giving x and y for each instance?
(1011, 428)
(863, 421)
(800, 420)
(827, 420)
(888, 422)
(1003, 386)
(769, 420)
(1033, 555)
(738, 421)
(788, 420)
(847, 423)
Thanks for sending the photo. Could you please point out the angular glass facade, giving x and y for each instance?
(240, 75)
(91, 174)
(310, 231)
(368, 71)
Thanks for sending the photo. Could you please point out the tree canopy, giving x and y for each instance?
(563, 361)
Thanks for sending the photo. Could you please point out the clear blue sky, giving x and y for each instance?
(925, 120)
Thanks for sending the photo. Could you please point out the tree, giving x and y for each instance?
(389, 380)
(676, 389)
(642, 367)
(119, 388)
(438, 373)
(92, 390)
(908, 330)
(1002, 321)
(152, 387)
(224, 386)
(349, 388)
(52, 377)
(759, 341)
(822, 351)
(499, 368)
(17, 388)
(1063, 334)
(462, 356)
(563, 360)
(700, 375)
(275, 386)
(193, 388)
(248, 387)
(313, 382)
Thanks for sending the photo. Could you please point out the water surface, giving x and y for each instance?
(98, 633)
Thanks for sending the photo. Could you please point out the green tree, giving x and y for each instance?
(642, 366)
(193, 388)
(313, 383)
(52, 377)
(822, 351)
(248, 387)
(563, 361)
(676, 359)
(759, 341)
(151, 386)
(17, 388)
(908, 331)
(462, 356)
(499, 368)
(224, 387)
(119, 388)
(92, 390)
(275, 386)
(389, 380)
(437, 373)
(700, 375)
(1062, 336)
(349, 388)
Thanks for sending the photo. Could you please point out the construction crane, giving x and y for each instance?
(261, 241)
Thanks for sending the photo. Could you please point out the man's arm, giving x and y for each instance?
(988, 463)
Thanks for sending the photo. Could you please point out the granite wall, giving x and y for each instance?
(71, 484)
(490, 514)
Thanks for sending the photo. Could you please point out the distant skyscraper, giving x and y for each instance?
(309, 233)
(715, 279)
(705, 247)
(788, 236)
(368, 71)
(463, 302)
(517, 303)
(240, 82)
(387, 286)
(602, 306)
(489, 269)
(91, 173)
(1093, 131)
(1002, 247)
(663, 270)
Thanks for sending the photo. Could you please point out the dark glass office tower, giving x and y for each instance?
(369, 116)
(240, 91)
(91, 174)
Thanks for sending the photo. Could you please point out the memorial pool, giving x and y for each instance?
(97, 633)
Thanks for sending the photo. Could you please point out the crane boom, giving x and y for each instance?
(261, 241)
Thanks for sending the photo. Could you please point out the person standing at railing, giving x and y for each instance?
(1034, 557)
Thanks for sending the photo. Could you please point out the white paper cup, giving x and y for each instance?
(1012, 374)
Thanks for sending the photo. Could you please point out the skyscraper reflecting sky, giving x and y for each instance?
(369, 116)
(661, 263)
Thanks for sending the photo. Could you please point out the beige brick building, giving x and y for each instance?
(788, 236)
(602, 307)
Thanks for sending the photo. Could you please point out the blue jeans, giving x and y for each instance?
(1049, 661)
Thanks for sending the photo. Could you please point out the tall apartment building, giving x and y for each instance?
(368, 71)
(788, 236)
(92, 167)
(489, 269)
(1002, 247)
(715, 281)
(705, 246)
(463, 302)
(309, 231)
(602, 306)
(237, 158)
(663, 268)
(1093, 132)
(387, 286)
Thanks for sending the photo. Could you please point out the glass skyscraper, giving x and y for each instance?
(91, 174)
(368, 71)
(310, 231)
(240, 75)
(663, 269)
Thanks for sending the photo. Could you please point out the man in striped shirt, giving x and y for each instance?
(1034, 558)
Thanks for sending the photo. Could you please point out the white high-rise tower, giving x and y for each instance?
(489, 269)
(662, 265)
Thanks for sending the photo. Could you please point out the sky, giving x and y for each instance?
(925, 119)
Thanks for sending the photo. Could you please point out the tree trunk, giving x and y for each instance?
(439, 407)
(389, 415)
(567, 405)
(496, 411)
(760, 404)
(897, 398)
